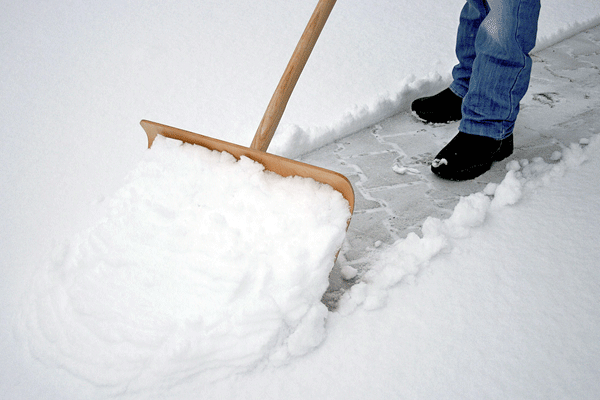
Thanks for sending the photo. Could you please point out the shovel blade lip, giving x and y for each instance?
(277, 164)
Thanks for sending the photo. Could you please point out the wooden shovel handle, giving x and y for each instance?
(286, 85)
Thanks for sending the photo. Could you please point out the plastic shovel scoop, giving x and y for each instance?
(257, 150)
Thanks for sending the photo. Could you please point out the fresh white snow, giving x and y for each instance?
(498, 301)
(204, 265)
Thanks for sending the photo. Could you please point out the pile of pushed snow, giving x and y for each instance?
(204, 265)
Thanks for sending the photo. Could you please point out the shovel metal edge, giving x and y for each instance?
(277, 164)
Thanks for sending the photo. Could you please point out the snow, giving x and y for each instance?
(497, 301)
(198, 251)
(487, 304)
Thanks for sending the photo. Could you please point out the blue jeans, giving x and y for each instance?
(493, 44)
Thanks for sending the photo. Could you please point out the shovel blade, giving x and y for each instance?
(279, 165)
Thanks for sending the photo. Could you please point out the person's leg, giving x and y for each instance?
(471, 17)
(501, 68)
(446, 106)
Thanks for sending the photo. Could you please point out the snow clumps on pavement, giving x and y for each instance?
(204, 266)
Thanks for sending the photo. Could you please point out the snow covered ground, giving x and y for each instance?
(498, 301)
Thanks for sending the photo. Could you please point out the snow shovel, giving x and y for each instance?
(257, 150)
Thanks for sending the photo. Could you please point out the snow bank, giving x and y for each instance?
(406, 258)
(203, 265)
(293, 140)
(550, 37)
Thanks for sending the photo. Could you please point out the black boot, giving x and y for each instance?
(468, 156)
(442, 108)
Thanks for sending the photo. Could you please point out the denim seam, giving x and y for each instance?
(512, 107)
